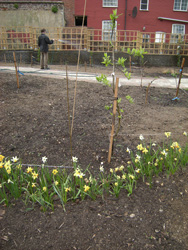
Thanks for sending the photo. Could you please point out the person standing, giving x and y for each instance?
(43, 41)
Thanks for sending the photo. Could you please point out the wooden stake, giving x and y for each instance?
(31, 59)
(5, 58)
(16, 69)
(181, 72)
(85, 65)
(113, 120)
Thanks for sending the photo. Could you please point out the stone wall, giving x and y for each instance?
(71, 57)
(31, 14)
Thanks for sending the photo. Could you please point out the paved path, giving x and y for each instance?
(91, 77)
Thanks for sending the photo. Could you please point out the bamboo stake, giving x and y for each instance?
(181, 72)
(5, 58)
(16, 69)
(113, 120)
(69, 111)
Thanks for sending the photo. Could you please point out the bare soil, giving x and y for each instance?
(34, 123)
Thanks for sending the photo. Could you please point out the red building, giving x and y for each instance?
(162, 16)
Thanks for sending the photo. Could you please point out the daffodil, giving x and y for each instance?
(121, 168)
(141, 137)
(1, 157)
(55, 171)
(145, 151)
(33, 184)
(116, 184)
(44, 189)
(78, 173)
(118, 177)
(116, 169)
(168, 134)
(44, 159)
(164, 153)
(137, 170)
(75, 159)
(101, 168)
(128, 150)
(129, 162)
(34, 175)
(175, 145)
(86, 188)
(9, 181)
(14, 159)
(185, 133)
(140, 147)
(29, 170)
(111, 170)
(131, 176)
(68, 189)
(56, 183)
(124, 176)
(1, 164)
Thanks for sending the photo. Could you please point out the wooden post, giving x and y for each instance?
(113, 120)
(16, 69)
(181, 72)
(85, 64)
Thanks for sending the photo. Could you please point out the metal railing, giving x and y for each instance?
(94, 40)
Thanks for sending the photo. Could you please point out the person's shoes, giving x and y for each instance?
(41, 68)
(47, 68)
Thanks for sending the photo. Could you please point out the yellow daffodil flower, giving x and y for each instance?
(124, 176)
(116, 184)
(145, 151)
(34, 175)
(140, 147)
(131, 176)
(1, 158)
(55, 171)
(44, 189)
(29, 170)
(86, 188)
(168, 134)
(33, 185)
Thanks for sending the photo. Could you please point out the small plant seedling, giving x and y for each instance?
(54, 9)
(16, 6)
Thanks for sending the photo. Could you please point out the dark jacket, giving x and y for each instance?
(43, 42)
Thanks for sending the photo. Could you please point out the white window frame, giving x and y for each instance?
(178, 5)
(141, 3)
(160, 37)
(176, 33)
(106, 32)
(110, 3)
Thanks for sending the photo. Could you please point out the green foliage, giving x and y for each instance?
(103, 79)
(54, 9)
(130, 99)
(16, 6)
(106, 60)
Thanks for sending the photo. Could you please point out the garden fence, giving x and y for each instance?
(94, 40)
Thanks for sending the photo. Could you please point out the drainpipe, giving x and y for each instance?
(125, 14)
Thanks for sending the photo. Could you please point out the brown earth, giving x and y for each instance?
(34, 123)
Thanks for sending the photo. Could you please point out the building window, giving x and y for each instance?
(178, 32)
(146, 38)
(79, 20)
(110, 3)
(107, 30)
(160, 37)
(180, 5)
(144, 4)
